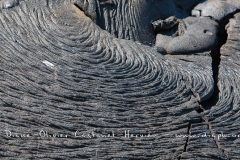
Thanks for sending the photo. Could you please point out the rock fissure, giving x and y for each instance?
(187, 141)
(212, 101)
(105, 84)
(216, 60)
(215, 137)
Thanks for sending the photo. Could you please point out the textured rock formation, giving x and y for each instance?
(193, 35)
(4, 4)
(216, 9)
(222, 118)
(75, 87)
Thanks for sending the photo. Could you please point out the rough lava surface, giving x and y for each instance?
(76, 85)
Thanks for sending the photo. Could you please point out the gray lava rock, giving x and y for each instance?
(166, 24)
(66, 85)
(199, 34)
(5, 4)
(218, 9)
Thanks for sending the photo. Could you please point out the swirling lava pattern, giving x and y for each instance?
(223, 118)
(61, 73)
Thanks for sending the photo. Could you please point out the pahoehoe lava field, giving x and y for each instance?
(120, 79)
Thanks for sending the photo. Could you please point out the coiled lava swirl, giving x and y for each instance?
(61, 73)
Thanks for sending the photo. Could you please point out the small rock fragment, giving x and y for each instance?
(164, 24)
(196, 13)
(215, 9)
(195, 35)
(5, 4)
(48, 64)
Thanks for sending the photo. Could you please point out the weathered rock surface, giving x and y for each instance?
(217, 9)
(194, 35)
(60, 73)
(222, 118)
(5, 4)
